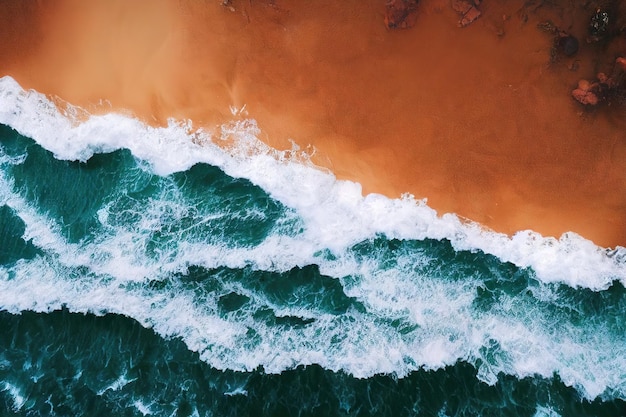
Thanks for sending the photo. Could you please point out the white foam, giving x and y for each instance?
(335, 213)
(18, 398)
(117, 385)
(142, 408)
(237, 391)
(443, 323)
(445, 326)
(542, 411)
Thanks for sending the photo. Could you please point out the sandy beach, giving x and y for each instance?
(479, 120)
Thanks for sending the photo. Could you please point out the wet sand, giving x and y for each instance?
(478, 120)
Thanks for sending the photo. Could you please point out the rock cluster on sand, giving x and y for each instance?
(400, 14)
(467, 9)
(588, 93)
(606, 38)
(603, 86)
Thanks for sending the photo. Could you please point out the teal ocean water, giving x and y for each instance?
(148, 271)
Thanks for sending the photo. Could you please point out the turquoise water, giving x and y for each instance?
(146, 272)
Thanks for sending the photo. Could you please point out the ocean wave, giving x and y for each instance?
(336, 213)
(366, 285)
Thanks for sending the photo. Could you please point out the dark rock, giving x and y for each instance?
(568, 45)
(599, 25)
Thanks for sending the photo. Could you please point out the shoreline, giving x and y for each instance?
(477, 120)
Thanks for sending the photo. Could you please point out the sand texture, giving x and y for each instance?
(478, 119)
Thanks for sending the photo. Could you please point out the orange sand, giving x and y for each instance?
(475, 119)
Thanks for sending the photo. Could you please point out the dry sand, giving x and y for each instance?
(477, 119)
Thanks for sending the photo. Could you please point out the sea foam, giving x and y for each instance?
(336, 213)
(401, 316)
